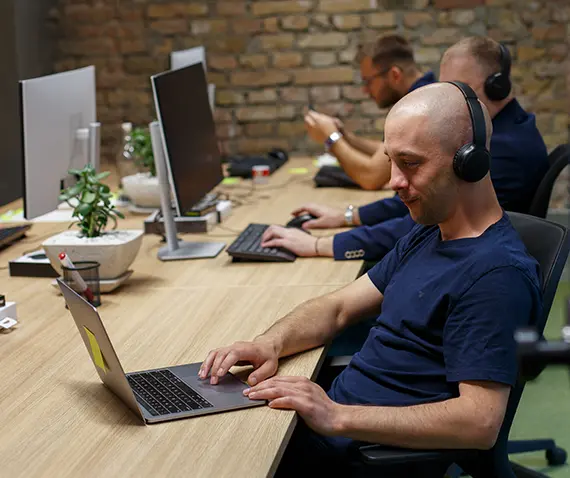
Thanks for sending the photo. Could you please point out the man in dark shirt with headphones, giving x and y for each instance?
(519, 161)
(437, 368)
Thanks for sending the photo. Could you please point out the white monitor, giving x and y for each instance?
(192, 56)
(53, 108)
(182, 58)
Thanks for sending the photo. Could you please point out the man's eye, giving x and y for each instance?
(411, 164)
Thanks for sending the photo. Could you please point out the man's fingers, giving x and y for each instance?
(301, 210)
(268, 234)
(275, 381)
(231, 359)
(289, 403)
(273, 231)
(207, 364)
(266, 370)
(216, 366)
(312, 224)
(277, 242)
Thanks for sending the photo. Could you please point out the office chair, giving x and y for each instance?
(558, 160)
(549, 244)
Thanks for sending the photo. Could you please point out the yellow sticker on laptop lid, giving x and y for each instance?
(95, 350)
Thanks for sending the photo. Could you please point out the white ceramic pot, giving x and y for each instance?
(114, 250)
(143, 189)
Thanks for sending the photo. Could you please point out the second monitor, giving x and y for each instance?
(188, 134)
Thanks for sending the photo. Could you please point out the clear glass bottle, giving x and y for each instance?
(126, 164)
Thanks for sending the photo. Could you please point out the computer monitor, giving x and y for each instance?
(193, 56)
(188, 134)
(53, 108)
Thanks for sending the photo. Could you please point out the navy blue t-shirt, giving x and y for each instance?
(449, 314)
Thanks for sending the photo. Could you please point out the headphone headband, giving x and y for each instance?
(475, 112)
(505, 60)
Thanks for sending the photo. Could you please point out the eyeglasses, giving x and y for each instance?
(367, 81)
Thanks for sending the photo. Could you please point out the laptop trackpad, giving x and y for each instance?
(228, 391)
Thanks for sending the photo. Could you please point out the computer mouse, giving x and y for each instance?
(298, 221)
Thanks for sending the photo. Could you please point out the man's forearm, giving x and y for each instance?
(369, 172)
(308, 325)
(448, 424)
(367, 146)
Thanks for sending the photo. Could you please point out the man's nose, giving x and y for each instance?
(397, 180)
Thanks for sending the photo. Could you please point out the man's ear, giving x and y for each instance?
(395, 73)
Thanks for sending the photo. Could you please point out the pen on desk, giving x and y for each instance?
(83, 288)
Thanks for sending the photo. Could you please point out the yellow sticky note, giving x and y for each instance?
(298, 170)
(230, 180)
(11, 214)
(95, 350)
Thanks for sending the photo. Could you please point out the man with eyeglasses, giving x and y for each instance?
(388, 72)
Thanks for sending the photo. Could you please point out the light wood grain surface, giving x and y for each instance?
(57, 419)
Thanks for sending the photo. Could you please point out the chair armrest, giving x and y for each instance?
(380, 455)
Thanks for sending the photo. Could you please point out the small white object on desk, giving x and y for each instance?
(8, 316)
(327, 160)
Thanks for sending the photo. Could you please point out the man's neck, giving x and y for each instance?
(495, 107)
(473, 215)
(411, 79)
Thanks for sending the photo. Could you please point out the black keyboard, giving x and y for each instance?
(11, 234)
(248, 247)
(161, 393)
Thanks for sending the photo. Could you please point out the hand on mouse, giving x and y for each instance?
(326, 216)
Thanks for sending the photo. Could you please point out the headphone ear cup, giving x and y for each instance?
(459, 160)
(497, 86)
(471, 163)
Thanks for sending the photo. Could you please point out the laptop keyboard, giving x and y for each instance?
(161, 393)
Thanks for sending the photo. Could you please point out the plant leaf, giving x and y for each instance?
(88, 197)
(83, 209)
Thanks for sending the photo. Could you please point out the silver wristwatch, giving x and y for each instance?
(349, 215)
(331, 140)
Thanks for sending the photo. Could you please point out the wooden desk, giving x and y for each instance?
(56, 419)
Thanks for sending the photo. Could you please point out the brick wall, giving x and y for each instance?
(270, 58)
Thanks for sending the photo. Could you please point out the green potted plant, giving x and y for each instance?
(90, 199)
(142, 188)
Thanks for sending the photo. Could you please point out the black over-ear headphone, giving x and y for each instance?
(472, 161)
(498, 85)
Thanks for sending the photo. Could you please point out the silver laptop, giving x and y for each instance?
(154, 395)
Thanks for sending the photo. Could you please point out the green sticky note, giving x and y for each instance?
(95, 350)
(298, 170)
(230, 180)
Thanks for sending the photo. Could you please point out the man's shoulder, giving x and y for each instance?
(515, 134)
(503, 249)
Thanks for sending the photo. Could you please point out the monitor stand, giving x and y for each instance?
(175, 249)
